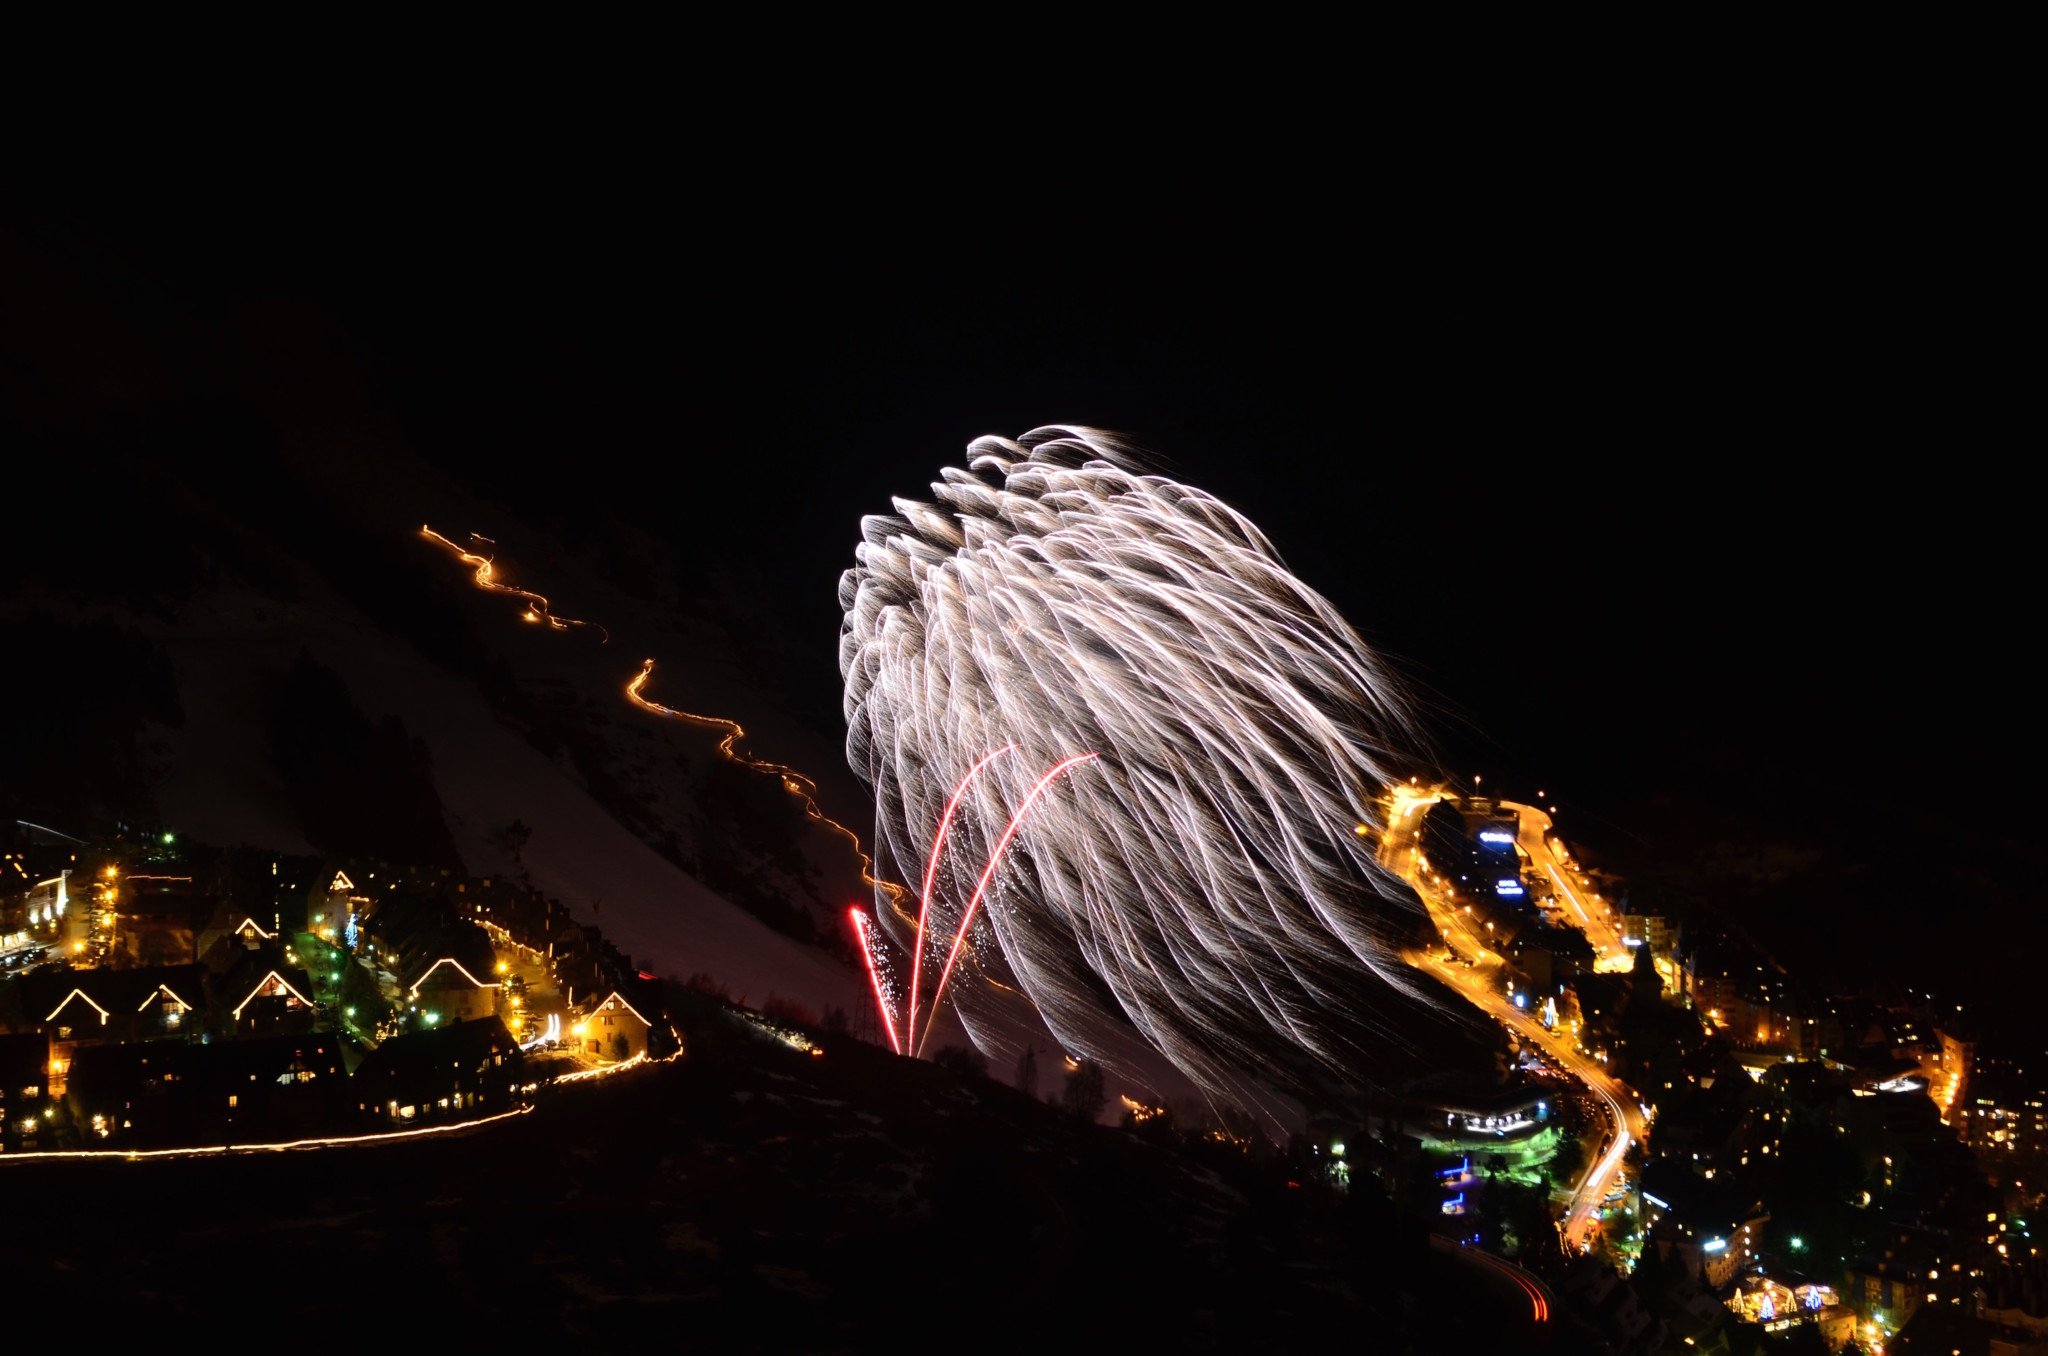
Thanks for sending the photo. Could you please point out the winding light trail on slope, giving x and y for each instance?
(794, 782)
(485, 578)
(335, 1141)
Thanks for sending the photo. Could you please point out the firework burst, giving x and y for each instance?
(1204, 879)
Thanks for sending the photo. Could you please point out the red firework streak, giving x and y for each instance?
(988, 873)
(867, 951)
(931, 871)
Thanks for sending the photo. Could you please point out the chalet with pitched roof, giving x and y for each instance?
(446, 991)
(263, 998)
(612, 1028)
(76, 1009)
(444, 964)
(235, 928)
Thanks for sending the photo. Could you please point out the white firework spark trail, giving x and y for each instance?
(1208, 879)
(878, 975)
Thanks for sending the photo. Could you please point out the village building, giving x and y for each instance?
(262, 998)
(1709, 1227)
(76, 1009)
(24, 1086)
(230, 931)
(612, 1028)
(158, 919)
(187, 1018)
(155, 1093)
(446, 992)
(448, 1073)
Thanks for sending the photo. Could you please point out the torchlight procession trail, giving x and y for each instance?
(794, 782)
(485, 578)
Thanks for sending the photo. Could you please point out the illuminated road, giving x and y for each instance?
(1475, 970)
(1528, 1283)
(1590, 913)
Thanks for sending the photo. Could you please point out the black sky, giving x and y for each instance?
(1604, 488)
(1683, 491)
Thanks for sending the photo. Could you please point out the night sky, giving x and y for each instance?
(1703, 511)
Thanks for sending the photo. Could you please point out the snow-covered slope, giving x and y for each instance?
(232, 643)
(241, 453)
